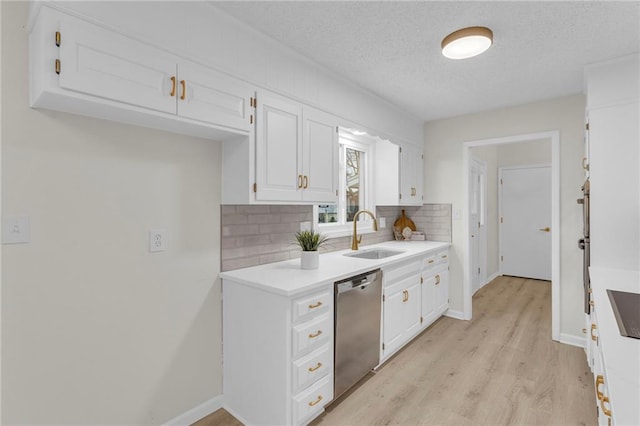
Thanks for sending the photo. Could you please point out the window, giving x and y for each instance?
(354, 188)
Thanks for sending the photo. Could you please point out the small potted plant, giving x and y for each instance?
(310, 242)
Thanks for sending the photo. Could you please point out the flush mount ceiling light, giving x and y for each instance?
(467, 42)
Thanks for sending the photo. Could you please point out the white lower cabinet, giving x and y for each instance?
(278, 354)
(415, 294)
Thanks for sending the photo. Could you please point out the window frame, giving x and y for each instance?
(365, 144)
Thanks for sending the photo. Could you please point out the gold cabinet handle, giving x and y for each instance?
(594, 338)
(407, 291)
(599, 381)
(605, 400)
(183, 83)
(444, 256)
(316, 334)
(430, 261)
(173, 86)
(306, 182)
(317, 305)
(299, 181)
(584, 163)
(312, 403)
(545, 229)
(318, 365)
(437, 279)
(405, 296)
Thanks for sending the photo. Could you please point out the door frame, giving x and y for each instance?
(482, 233)
(554, 137)
(501, 199)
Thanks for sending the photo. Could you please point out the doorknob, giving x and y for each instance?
(547, 229)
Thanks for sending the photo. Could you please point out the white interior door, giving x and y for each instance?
(525, 220)
(477, 224)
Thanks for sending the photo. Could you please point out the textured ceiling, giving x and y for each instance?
(393, 48)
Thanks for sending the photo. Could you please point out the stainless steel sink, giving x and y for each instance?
(373, 254)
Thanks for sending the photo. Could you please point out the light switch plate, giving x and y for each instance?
(16, 230)
(157, 240)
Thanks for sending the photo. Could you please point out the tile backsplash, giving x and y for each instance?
(258, 234)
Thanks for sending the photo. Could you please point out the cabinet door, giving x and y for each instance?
(412, 309)
(411, 176)
(428, 298)
(213, 97)
(320, 156)
(442, 291)
(393, 320)
(278, 149)
(106, 64)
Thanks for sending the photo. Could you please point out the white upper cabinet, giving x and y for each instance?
(296, 152)
(101, 63)
(83, 68)
(320, 156)
(411, 166)
(398, 174)
(278, 149)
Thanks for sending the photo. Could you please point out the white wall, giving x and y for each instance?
(200, 31)
(96, 330)
(443, 183)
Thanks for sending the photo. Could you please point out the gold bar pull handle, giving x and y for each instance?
(312, 403)
(545, 229)
(306, 182)
(314, 335)
(318, 365)
(605, 400)
(599, 381)
(315, 305)
(299, 181)
(183, 96)
(437, 279)
(173, 86)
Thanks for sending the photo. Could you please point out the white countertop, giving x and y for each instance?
(287, 278)
(621, 355)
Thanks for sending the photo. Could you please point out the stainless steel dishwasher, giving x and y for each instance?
(357, 328)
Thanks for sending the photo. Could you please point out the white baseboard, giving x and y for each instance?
(203, 410)
(454, 314)
(570, 339)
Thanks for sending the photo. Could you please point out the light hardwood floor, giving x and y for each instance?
(501, 368)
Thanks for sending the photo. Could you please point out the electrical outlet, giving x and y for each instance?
(157, 240)
(382, 222)
(305, 226)
(16, 230)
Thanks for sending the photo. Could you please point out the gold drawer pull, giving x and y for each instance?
(318, 365)
(605, 399)
(594, 338)
(599, 381)
(314, 335)
(317, 305)
(437, 279)
(444, 256)
(306, 182)
(430, 260)
(312, 403)
(299, 181)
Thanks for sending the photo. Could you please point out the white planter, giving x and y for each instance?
(310, 259)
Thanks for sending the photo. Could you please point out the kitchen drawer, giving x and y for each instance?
(309, 306)
(442, 257)
(312, 334)
(310, 403)
(429, 261)
(311, 368)
(391, 275)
